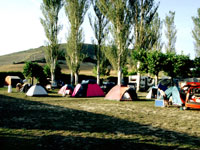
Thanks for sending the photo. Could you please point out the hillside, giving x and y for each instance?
(37, 55)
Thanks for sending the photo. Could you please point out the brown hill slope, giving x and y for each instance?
(37, 55)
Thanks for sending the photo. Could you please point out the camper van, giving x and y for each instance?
(145, 82)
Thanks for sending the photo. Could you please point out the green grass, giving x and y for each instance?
(57, 122)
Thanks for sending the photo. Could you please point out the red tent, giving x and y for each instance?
(88, 89)
(66, 90)
(121, 93)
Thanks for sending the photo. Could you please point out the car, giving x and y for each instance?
(190, 95)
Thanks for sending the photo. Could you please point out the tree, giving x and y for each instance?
(177, 65)
(119, 14)
(156, 61)
(156, 26)
(50, 10)
(170, 32)
(75, 11)
(99, 27)
(47, 71)
(196, 33)
(196, 67)
(33, 70)
(143, 12)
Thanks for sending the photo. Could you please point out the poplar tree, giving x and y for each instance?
(118, 13)
(75, 11)
(143, 12)
(196, 33)
(157, 33)
(143, 15)
(170, 32)
(50, 10)
(99, 23)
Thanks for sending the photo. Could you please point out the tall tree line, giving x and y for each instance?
(131, 22)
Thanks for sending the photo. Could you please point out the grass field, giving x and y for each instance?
(56, 122)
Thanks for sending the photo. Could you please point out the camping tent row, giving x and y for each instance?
(88, 88)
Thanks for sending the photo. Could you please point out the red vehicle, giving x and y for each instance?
(190, 95)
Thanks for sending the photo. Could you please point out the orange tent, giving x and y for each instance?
(121, 93)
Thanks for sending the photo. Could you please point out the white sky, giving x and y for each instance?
(20, 27)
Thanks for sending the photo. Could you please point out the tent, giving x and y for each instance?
(36, 90)
(152, 93)
(66, 90)
(25, 87)
(121, 93)
(12, 80)
(88, 88)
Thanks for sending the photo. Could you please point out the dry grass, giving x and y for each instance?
(57, 122)
(86, 68)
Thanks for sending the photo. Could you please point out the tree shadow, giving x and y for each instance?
(18, 113)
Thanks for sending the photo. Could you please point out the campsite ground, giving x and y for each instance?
(57, 122)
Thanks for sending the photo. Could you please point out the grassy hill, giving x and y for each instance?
(37, 55)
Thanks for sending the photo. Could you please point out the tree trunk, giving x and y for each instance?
(156, 80)
(138, 77)
(32, 80)
(76, 78)
(72, 78)
(119, 76)
(53, 67)
(98, 65)
(98, 74)
(53, 82)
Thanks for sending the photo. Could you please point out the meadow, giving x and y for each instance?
(57, 122)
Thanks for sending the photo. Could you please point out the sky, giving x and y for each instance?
(20, 27)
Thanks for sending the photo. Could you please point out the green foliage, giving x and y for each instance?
(196, 67)
(133, 72)
(33, 70)
(141, 56)
(156, 61)
(196, 33)
(170, 32)
(99, 25)
(156, 34)
(119, 14)
(111, 54)
(145, 30)
(47, 72)
(103, 71)
(177, 65)
(125, 71)
(75, 11)
(50, 10)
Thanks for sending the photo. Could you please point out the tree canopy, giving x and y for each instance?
(196, 33)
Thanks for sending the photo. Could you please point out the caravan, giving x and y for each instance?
(145, 82)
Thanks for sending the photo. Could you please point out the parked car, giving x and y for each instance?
(190, 95)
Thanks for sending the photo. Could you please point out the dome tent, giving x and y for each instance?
(37, 90)
(67, 89)
(121, 93)
(88, 88)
